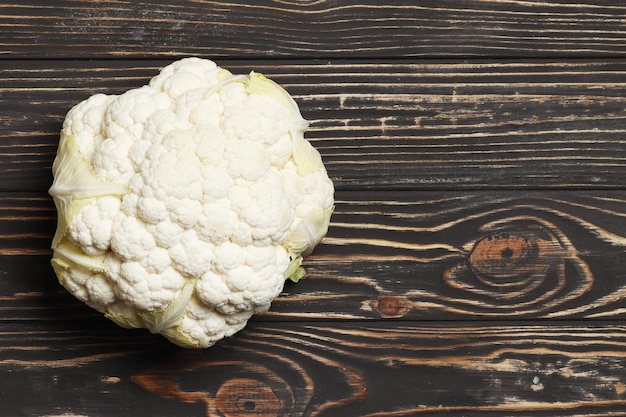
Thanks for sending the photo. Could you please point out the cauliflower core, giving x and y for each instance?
(184, 205)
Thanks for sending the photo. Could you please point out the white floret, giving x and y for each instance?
(184, 211)
(151, 210)
(91, 228)
(172, 169)
(157, 260)
(239, 284)
(207, 326)
(229, 256)
(158, 125)
(74, 280)
(101, 292)
(130, 204)
(217, 221)
(144, 290)
(280, 151)
(257, 119)
(85, 122)
(124, 123)
(232, 95)
(199, 107)
(192, 256)
(242, 233)
(92, 288)
(265, 207)
(131, 240)
(247, 160)
(166, 233)
(216, 182)
(187, 74)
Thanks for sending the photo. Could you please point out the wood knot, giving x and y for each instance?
(391, 306)
(235, 388)
(521, 265)
(240, 397)
(503, 256)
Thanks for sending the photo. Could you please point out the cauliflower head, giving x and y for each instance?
(185, 204)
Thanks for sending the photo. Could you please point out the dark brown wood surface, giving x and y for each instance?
(476, 260)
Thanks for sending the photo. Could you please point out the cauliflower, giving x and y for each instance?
(184, 205)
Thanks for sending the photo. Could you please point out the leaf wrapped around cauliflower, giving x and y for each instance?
(184, 205)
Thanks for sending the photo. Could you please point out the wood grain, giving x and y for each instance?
(418, 255)
(462, 255)
(26, 224)
(321, 369)
(311, 29)
(475, 261)
(381, 126)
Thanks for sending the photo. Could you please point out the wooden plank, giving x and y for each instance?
(319, 369)
(422, 125)
(470, 255)
(27, 222)
(311, 29)
(411, 255)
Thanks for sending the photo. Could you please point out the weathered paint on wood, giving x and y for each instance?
(475, 261)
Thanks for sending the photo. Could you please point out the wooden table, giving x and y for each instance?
(476, 260)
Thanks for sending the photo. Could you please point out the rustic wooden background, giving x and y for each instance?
(476, 261)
